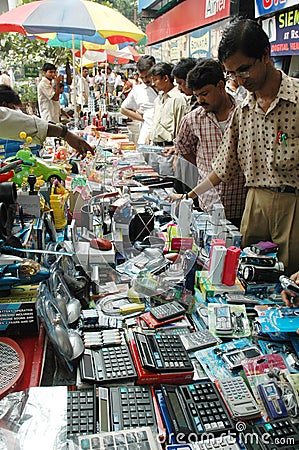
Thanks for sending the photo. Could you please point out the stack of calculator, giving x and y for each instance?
(108, 365)
(196, 408)
(162, 353)
(110, 409)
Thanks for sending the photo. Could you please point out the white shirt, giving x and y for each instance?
(142, 98)
(13, 122)
(49, 109)
(83, 90)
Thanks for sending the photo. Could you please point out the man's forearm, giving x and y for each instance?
(132, 114)
(211, 181)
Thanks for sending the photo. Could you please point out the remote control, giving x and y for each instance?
(238, 398)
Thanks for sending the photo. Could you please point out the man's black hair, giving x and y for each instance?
(8, 95)
(245, 36)
(182, 68)
(145, 63)
(206, 71)
(48, 66)
(161, 70)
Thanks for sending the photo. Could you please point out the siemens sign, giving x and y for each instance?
(263, 7)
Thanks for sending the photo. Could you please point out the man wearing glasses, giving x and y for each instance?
(262, 141)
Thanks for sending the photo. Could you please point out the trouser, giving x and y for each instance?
(273, 216)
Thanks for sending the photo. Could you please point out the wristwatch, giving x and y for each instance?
(63, 131)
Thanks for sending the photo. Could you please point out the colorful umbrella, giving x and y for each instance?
(80, 18)
(123, 56)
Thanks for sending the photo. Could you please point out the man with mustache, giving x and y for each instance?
(262, 141)
(201, 132)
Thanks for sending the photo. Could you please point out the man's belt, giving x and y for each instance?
(286, 189)
(164, 143)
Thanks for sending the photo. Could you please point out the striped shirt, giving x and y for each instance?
(200, 133)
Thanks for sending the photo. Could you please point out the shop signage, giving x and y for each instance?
(156, 52)
(200, 46)
(185, 17)
(263, 7)
(283, 32)
(31, 72)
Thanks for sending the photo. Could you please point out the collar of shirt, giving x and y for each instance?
(284, 93)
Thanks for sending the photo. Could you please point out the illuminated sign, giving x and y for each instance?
(263, 7)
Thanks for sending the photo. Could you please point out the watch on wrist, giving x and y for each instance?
(63, 131)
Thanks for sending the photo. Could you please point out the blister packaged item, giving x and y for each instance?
(266, 369)
(285, 349)
(212, 361)
(228, 320)
(277, 319)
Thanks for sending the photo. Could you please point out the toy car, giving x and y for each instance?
(33, 164)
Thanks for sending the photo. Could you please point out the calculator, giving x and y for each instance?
(162, 353)
(199, 340)
(168, 311)
(238, 398)
(196, 408)
(108, 365)
(81, 412)
(131, 407)
(279, 434)
(135, 439)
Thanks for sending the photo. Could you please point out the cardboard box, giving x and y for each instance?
(18, 315)
(208, 290)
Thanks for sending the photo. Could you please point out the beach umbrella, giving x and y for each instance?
(81, 19)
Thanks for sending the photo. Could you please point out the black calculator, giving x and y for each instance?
(278, 434)
(168, 311)
(131, 407)
(162, 353)
(81, 412)
(196, 408)
(108, 365)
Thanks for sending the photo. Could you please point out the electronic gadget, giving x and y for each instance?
(223, 320)
(162, 353)
(289, 285)
(217, 264)
(234, 358)
(277, 434)
(199, 339)
(168, 311)
(141, 438)
(196, 408)
(108, 365)
(271, 396)
(230, 267)
(103, 338)
(152, 322)
(110, 409)
(238, 398)
(264, 247)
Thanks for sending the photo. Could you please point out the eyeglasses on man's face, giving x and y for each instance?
(244, 72)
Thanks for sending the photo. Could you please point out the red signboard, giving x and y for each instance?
(187, 16)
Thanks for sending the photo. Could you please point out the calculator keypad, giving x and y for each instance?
(131, 407)
(280, 434)
(81, 413)
(206, 408)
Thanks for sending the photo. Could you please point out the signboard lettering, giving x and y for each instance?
(213, 7)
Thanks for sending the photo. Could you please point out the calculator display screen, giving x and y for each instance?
(179, 415)
(104, 417)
